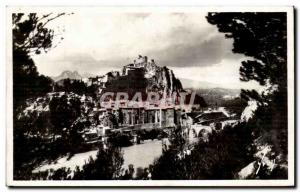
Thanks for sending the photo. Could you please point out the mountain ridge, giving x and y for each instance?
(68, 74)
(194, 84)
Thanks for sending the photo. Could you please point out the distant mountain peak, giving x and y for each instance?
(67, 75)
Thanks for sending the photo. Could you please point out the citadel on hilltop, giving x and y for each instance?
(142, 76)
(141, 64)
(145, 76)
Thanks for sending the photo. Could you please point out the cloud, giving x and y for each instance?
(97, 42)
(191, 46)
(224, 74)
(86, 60)
(83, 63)
(199, 52)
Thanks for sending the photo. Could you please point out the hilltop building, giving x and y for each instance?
(144, 76)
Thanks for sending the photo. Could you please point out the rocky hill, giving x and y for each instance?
(140, 76)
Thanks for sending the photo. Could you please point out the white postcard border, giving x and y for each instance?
(169, 183)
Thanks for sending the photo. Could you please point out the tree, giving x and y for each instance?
(263, 37)
(63, 112)
(30, 36)
(221, 157)
(106, 166)
(71, 85)
(168, 166)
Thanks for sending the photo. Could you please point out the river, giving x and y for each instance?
(140, 155)
(143, 154)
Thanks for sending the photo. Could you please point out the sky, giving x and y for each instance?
(98, 42)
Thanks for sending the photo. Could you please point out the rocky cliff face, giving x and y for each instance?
(164, 81)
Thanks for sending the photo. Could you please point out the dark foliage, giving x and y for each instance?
(225, 154)
(27, 82)
(150, 134)
(63, 112)
(107, 165)
(30, 36)
(31, 152)
(270, 122)
(120, 140)
(168, 166)
(221, 157)
(259, 35)
(262, 36)
(236, 105)
(71, 85)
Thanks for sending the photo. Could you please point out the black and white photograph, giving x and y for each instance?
(150, 96)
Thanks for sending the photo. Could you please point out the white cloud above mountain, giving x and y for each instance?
(97, 42)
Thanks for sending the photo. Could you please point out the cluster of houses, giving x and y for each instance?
(196, 123)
